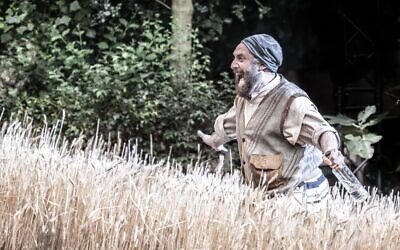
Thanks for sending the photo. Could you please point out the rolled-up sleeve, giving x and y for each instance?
(225, 125)
(304, 124)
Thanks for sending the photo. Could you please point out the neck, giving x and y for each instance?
(262, 79)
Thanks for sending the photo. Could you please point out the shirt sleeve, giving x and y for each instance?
(225, 125)
(304, 124)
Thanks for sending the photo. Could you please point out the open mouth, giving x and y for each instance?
(239, 75)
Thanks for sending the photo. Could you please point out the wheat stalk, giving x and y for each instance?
(56, 194)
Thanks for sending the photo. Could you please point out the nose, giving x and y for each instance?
(234, 65)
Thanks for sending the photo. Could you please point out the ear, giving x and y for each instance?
(262, 67)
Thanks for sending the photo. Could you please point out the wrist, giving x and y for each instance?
(328, 142)
(328, 152)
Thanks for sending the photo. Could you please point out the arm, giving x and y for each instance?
(305, 125)
(330, 146)
(225, 130)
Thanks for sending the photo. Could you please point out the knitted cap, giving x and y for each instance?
(266, 49)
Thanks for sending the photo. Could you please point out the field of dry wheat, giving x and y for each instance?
(60, 195)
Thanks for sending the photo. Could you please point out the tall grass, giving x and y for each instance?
(62, 195)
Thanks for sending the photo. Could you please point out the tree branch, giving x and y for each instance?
(163, 4)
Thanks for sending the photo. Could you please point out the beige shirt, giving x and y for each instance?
(303, 125)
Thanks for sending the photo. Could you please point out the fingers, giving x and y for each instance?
(207, 139)
(331, 163)
(222, 149)
(201, 134)
(212, 141)
(326, 160)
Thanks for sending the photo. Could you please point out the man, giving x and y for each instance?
(280, 133)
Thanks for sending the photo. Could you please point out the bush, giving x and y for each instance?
(103, 68)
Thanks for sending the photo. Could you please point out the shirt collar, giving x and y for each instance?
(265, 83)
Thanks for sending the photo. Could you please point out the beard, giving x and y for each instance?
(245, 81)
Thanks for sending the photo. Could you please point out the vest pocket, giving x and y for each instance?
(266, 170)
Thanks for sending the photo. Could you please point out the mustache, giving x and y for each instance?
(238, 77)
(243, 85)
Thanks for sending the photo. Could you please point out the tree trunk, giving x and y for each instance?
(182, 11)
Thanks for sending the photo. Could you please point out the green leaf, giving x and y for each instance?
(352, 137)
(340, 119)
(366, 150)
(60, 3)
(110, 37)
(56, 37)
(5, 38)
(12, 19)
(13, 92)
(64, 9)
(21, 30)
(30, 26)
(133, 26)
(148, 35)
(78, 32)
(74, 6)
(78, 17)
(151, 57)
(376, 120)
(367, 112)
(91, 33)
(65, 32)
(123, 22)
(262, 11)
(100, 93)
(144, 75)
(238, 9)
(65, 20)
(102, 45)
(372, 138)
(360, 148)
(16, 19)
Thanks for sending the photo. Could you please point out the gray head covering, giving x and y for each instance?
(266, 49)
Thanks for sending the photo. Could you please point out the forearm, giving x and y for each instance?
(212, 140)
(328, 141)
(225, 130)
(321, 135)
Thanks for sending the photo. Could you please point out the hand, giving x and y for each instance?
(334, 159)
(213, 141)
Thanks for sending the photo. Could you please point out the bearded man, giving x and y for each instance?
(282, 137)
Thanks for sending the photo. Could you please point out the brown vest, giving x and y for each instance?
(267, 158)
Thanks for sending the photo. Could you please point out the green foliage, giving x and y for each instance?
(239, 9)
(105, 63)
(357, 138)
(221, 14)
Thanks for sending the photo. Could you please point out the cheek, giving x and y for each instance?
(242, 67)
(246, 67)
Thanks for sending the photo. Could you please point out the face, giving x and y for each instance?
(245, 68)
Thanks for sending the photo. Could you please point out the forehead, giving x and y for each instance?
(241, 49)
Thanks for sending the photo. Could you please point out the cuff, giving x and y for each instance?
(318, 133)
(220, 130)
